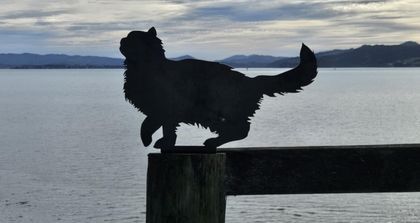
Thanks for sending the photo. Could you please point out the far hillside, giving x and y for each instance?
(404, 55)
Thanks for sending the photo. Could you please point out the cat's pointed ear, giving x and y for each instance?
(152, 31)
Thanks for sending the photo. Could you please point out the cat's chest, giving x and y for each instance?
(145, 92)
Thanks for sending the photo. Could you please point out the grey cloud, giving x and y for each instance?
(266, 11)
(390, 17)
(24, 33)
(370, 2)
(107, 26)
(247, 12)
(33, 14)
(360, 2)
(376, 26)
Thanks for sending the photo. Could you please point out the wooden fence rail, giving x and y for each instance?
(186, 186)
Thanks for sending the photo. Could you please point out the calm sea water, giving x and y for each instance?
(70, 148)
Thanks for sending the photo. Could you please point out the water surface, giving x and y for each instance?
(70, 149)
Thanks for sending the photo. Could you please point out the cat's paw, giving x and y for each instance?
(146, 139)
(212, 143)
(164, 143)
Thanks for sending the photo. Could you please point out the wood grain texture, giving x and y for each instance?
(323, 169)
(187, 188)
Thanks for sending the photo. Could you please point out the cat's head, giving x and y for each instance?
(139, 45)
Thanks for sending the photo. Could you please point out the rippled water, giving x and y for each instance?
(70, 150)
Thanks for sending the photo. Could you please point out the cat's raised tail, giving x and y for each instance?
(293, 80)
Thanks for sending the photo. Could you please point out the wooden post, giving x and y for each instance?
(186, 188)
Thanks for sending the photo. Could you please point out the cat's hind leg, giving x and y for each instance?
(149, 126)
(229, 131)
(169, 136)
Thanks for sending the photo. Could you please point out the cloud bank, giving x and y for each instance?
(206, 29)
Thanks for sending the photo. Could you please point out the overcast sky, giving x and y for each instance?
(205, 29)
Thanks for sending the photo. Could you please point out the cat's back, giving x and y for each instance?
(202, 69)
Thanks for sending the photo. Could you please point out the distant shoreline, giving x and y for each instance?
(406, 54)
(61, 67)
(104, 68)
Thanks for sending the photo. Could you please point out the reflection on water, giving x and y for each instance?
(70, 148)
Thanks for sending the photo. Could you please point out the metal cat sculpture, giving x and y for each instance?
(198, 92)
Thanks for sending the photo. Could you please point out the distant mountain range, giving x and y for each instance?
(404, 55)
(182, 58)
(29, 60)
(250, 61)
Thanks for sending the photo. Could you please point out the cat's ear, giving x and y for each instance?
(152, 31)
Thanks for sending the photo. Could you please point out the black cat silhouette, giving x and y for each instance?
(198, 92)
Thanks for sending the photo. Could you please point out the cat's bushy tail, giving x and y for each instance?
(293, 80)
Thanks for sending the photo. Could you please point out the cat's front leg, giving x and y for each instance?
(149, 126)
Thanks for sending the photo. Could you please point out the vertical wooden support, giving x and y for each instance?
(186, 188)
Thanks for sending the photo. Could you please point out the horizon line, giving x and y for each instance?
(187, 54)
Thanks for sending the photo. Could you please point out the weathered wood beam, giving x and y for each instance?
(323, 169)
